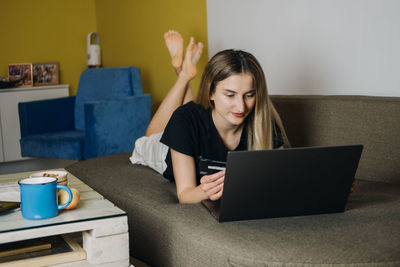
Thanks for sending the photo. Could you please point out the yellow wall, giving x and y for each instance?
(46, 31)
(131, 33)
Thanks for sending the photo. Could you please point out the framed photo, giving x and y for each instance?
(22, 73)
(46, 73)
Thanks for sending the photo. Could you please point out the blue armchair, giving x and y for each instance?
(107, 115)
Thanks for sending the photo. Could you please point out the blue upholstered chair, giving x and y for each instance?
(107, 115)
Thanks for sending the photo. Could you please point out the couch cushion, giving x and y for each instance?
(338, 120)
(67, 145)
(165, 233)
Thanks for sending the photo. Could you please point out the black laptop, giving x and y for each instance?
(286, 182)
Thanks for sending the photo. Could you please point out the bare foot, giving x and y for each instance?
(174, 42)
(197, 53)
(192, 56)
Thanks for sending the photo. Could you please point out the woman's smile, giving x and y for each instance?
(238, 114)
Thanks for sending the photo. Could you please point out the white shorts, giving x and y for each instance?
(149, 151)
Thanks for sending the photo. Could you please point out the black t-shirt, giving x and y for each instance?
(191, 131)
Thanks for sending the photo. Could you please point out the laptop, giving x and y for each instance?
(285, 182)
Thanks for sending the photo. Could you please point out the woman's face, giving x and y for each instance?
(234, 98)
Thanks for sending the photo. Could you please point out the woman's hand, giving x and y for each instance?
(213, 185)
(185, 179)
(353, 185)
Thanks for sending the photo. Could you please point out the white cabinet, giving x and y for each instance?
(9, 119)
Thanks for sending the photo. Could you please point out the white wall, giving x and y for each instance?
(314, 46)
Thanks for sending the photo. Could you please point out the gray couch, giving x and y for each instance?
(165, 233)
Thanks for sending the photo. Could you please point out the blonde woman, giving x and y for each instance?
(232, 112)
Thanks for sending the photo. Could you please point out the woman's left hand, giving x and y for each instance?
(353, 185)
(213, 185)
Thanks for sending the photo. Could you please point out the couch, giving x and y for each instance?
(165, 233)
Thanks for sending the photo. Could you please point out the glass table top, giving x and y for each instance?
(92, 206)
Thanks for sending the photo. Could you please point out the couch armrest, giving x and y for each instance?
(113, 125)
(44, 116)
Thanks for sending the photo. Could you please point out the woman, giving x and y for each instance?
(232, 112)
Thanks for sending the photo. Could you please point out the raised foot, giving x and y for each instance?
(174, 42)
(192, 56)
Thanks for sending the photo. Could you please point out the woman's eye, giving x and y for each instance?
(250, 95)
(229, 95)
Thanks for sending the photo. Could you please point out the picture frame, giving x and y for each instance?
(46, 73)
(22, 72)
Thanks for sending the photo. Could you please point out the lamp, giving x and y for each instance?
(93, 51)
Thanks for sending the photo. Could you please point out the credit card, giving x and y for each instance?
(209, 166)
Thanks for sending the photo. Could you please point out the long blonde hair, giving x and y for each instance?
(262, 119)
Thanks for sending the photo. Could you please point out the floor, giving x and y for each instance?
(43, 164)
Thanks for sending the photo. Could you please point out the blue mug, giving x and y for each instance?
(39, 197)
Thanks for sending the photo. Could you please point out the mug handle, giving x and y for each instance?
(64, 187)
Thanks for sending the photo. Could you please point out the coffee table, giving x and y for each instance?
(103, 226)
